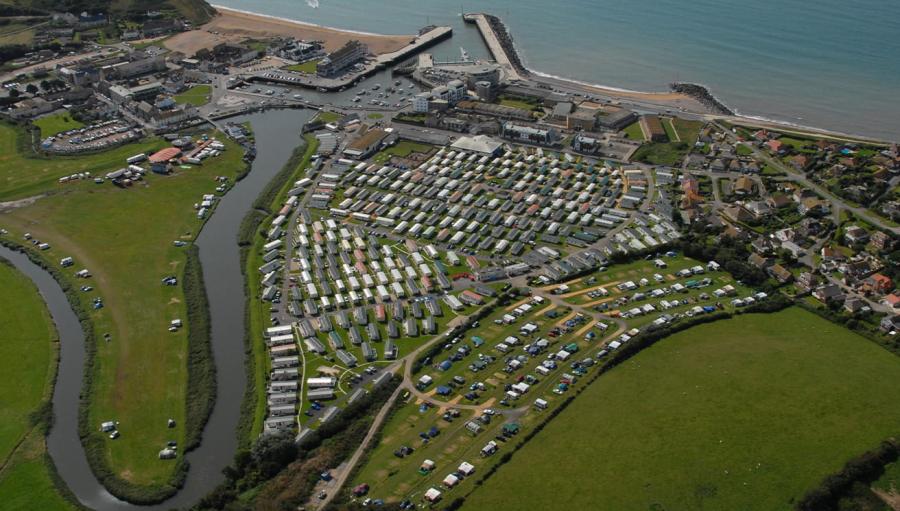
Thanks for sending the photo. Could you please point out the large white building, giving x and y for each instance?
(420, 102)
(454, 91)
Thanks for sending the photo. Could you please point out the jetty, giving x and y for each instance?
(429, 37)
(500, 45)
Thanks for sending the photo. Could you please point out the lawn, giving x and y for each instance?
(198, 95)
(56, 123)
(308, 67)
(23, 175)
(747, 413)
(671, 134)
(124, 238)
(633, 131)
(401, 149)
(27, 358)
(662, 153)
(518, 103)
(688, 131)
(327, 117)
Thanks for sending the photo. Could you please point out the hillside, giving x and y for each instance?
(198, 11)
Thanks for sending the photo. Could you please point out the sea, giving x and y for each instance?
(827, 64)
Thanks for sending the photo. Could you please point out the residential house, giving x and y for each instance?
(854, 305)
(856, 235)
(828, 293)
(780, 273)
(807, 281)
(829, 253)
(881, 241)
(892, 300)
(879, 284)
(813, 207)
(890, 323)
(775, 146)
(743, 186)
(737, 214)
(759, 261)
(762, 245)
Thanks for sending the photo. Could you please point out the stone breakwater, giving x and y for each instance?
(701, 94)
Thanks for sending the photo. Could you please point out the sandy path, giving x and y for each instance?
(236, 26)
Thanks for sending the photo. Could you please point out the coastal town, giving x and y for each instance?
(453, 252)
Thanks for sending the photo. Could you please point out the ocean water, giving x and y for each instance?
(829, 64)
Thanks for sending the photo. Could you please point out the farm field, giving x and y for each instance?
(25, 175)
(785, 399)
(124, 238)
(28, 356)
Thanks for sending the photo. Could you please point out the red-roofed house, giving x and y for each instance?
(775, 145)
(878, 283)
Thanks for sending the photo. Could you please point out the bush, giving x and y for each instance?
(866, 468)
(201, 384)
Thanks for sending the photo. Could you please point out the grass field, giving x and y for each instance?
(23, 175)
(56, 123)
(308, 67)
(124, 238)
(326, 116)
(16, 33)
(27, 358)
(26, 355)
(747, 413)
(517, 103)
(25, 483)
(401, 149)
(633, 131)
(661, 153)
(198, 95)
(671, 134)
(688, 131)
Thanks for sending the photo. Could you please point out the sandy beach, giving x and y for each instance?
(234, 26)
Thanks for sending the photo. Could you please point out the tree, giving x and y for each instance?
(31, 88)
(45, 85)
(14, 93)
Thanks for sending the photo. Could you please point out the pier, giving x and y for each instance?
(497, 49)
(421, 42)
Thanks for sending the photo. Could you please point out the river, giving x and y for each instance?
(277, 133)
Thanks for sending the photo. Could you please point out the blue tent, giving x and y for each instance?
(443, 390)
(445, 365)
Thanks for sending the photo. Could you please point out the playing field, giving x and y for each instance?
(23, 175)
(124, 237)
(747, 413)
(27, 357)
